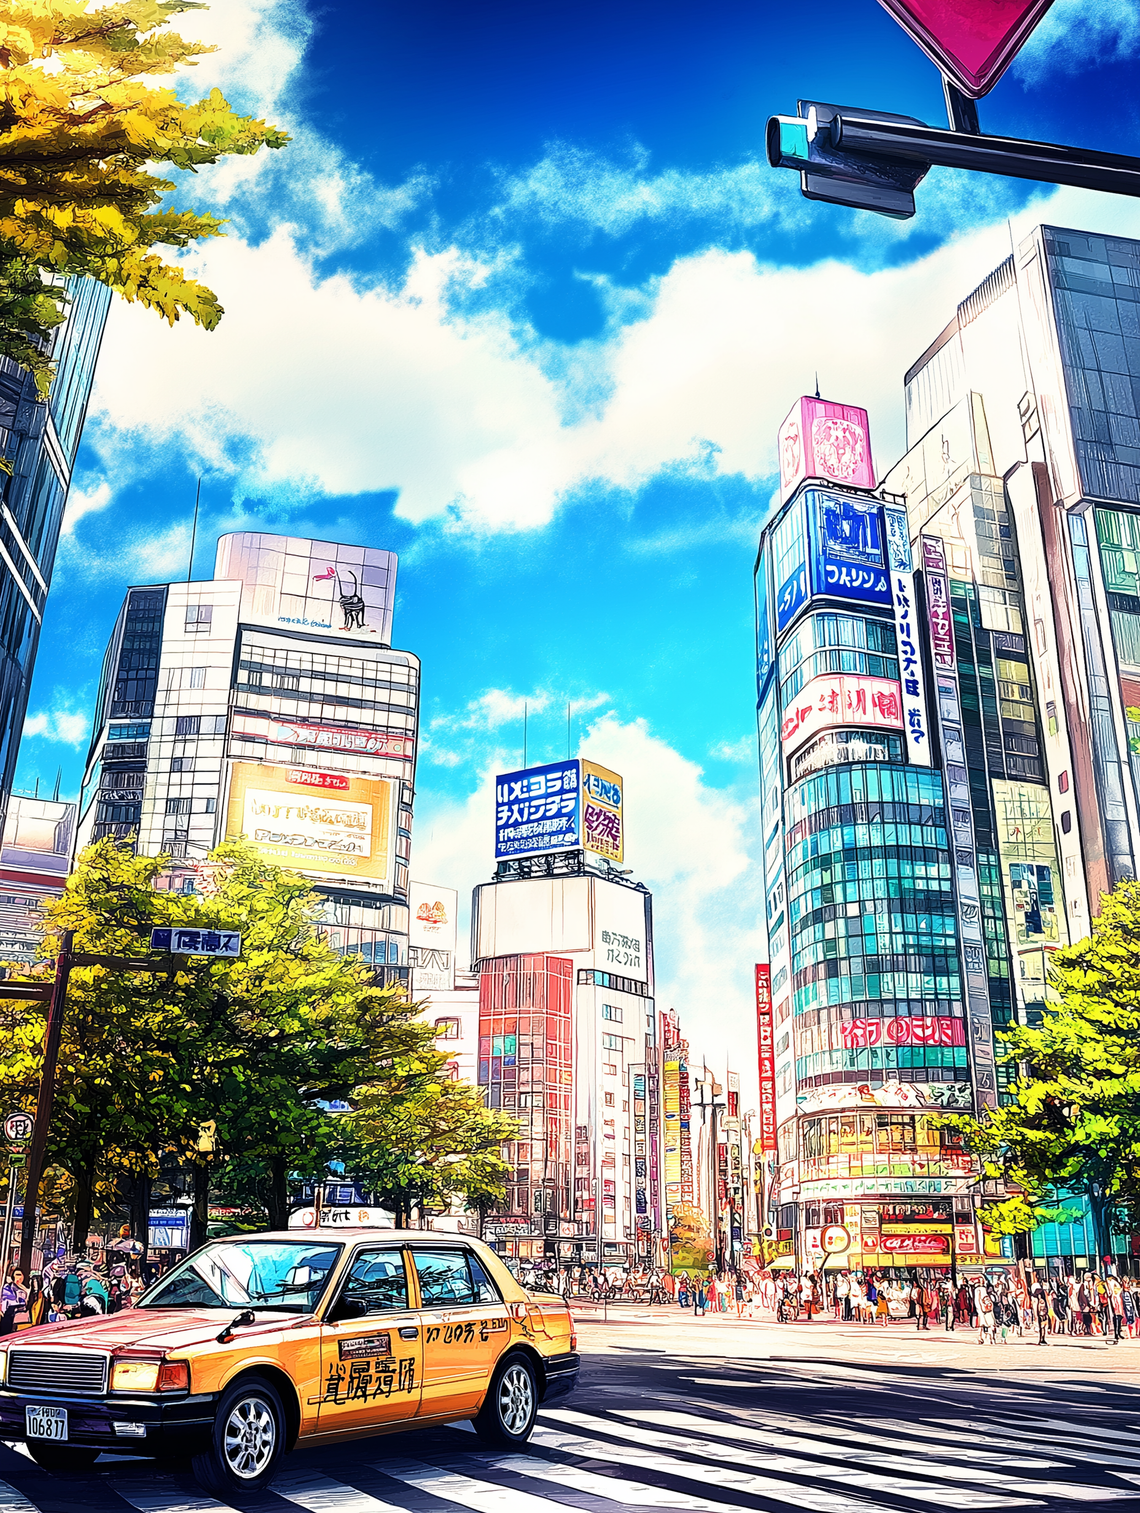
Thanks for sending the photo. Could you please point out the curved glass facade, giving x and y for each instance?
(873, 932)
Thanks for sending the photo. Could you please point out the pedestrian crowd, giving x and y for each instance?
(68, 1288)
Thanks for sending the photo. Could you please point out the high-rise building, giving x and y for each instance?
(562, 941)
(40, 440)
(1023, 470)
(878, 1022)
(450, 996)
(268, 702)
(35, 857)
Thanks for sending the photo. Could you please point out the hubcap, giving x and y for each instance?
(250, 1437)
(516, 1399)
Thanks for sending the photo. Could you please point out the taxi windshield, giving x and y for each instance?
(283, 1275)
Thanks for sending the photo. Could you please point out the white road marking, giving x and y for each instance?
(484, 1497)
(15, 1502)
(865, 1480)
(172, 1502)
(321, 1494)
(895, 1443)
(634, 1494)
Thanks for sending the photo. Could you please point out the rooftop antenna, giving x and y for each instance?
(567, 729)
(58, 780)
(526, 708)
(37, 792)
(817, 385)
(194, 528)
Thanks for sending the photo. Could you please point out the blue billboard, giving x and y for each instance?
(537, 810)
(848, 547)
(763, 625)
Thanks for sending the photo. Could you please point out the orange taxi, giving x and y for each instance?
(258, 1343)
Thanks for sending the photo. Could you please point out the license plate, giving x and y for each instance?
(46, 1423)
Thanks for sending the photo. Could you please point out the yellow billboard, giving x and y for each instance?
(322, 822)
(603, 821)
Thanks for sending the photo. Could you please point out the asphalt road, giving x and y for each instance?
(716, 1417)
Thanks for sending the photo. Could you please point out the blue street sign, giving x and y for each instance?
(197, 942)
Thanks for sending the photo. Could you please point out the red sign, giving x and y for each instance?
(965, 1239)
(914, 1245)
(767, 1057)
(821, 439)
(383, 743)
(934, 1030)
(842, 699)
(308, 779)
(972, 42)
(938, 612)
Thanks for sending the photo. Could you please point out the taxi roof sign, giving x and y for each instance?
(972, 42)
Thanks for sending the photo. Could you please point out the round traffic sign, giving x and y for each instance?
(18, 1127)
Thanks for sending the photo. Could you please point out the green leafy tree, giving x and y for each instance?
(82, 122)
(1073, 1127)
(419, 1141)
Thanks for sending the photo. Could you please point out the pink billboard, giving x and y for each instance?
(841, 699)
(821, 439)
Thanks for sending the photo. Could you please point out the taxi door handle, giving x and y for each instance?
(409, 1333)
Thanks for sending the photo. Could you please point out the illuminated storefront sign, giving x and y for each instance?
(890, 1095)
(336, 834)
(939, 616)
(602, 818)
(932, 1030)
(915, 718)
(841, 699)
(822, 439)
(380, 743)
(767, 1057)
(908, 1245)
(537, 810)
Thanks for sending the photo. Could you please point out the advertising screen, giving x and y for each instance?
(342, 830)
(822, 439)
(848, 550)
(767, 1057)
(537, 809)
(603, 820)
(431, 937)
(346, 590)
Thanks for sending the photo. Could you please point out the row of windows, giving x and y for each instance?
(836, 660)
(858, 990)
(882, 1058)
(184, 806)
(848, 632)
(917, 868)
(835, 1134)
(871, 838)
(899, 785)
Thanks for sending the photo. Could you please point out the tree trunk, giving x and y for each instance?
(140, 1213)
(200, 1213)
(84, 1199)
(1098, 1208)
(278, 1204)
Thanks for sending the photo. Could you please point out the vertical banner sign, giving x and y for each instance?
(767, 1057)
(960, 815)
(940, 619)
(916, 720)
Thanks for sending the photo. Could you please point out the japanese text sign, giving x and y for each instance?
(916, 722)
(196, 942)
(767, 1057)
(602, 818)
(939, 615)
(537, 809)
(841, 699)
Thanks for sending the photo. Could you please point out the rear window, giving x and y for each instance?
(449, 1278)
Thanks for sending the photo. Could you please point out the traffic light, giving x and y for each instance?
(837, 175)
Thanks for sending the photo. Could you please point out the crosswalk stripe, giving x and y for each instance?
(321, 1494)
(1013, 1438)
(13, 1501)
(634, 1494)
(172, 1502)
(865, 1480)
(896, 1442)
(717, 1475)
(814, 1444)
(483, 1496)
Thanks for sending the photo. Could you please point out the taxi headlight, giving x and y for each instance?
(149, 1376)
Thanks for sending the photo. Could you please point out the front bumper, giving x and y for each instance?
(561, 1375)
(175, 1426)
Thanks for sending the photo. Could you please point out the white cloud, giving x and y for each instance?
(691, 843)
(743, 750)
(1074, 35)
(58, 725)
(82, 502)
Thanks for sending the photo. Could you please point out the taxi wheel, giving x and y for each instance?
(511, 1405)
(62, 1457)
(245, 1442)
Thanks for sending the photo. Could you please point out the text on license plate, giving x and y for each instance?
(46, 1423)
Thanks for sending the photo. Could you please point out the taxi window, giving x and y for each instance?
(445, 1279)
(376, 1283)
(485, 1289)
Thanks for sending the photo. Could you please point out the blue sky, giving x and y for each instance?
(523, 303)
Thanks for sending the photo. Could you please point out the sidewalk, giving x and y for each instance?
(626, 1326)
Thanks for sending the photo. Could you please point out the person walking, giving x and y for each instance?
(13, 1298)
(984, 1308)
(948, 1301)
(1115, 1306)
(738, 1290)
(1041, 1308)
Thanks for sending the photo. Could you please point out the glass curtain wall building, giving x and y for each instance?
(1023, 427)
(40, 439)
(864, 883)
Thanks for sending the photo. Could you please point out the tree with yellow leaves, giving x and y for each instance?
(82, 122)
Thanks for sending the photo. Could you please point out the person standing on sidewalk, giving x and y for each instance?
(1041, 1308)
(1116, 1305)
(948, 1301)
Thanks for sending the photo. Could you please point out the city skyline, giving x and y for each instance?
(604, 295)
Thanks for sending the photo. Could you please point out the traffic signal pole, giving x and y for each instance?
(53, 1029)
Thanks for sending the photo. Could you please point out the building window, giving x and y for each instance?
(609, 1100)
(178, 806)
(182, 764)
(1067, 820)
(189, 885)
(611, 1042)
(188, 724)
(211, 806)
(199, 617)
(1063, 782)
(609, 1069)
(447, 1029)
(612, 1011)
(255, 679)
(197, 677)
(139, 731)
(289, 680)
